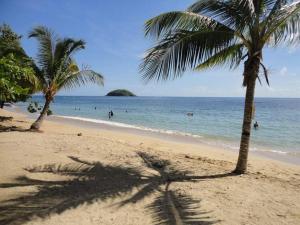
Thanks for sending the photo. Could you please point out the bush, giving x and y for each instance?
(49, 112)
(34, 107)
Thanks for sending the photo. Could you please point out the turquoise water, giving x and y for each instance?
(215, 120)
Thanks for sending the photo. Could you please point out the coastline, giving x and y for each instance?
(39, 170)
(171, 137)
(165, 135)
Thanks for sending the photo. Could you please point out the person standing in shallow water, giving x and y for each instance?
(255, 125)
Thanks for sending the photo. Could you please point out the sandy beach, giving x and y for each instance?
(71, 174)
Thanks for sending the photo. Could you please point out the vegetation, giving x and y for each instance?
(17, 75)
(10, 42)
(212, 33)
(120, 92)
(56, 68)
(12, 74)
(34, 107)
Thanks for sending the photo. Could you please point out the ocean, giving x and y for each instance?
(215, 120)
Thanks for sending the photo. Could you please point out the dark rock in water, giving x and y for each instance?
(120, 92)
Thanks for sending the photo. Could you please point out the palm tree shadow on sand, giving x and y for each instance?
(12, 128)
(92, 181)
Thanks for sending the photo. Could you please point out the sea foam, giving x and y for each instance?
(124, 125)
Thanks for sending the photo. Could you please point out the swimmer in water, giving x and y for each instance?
(255, 125)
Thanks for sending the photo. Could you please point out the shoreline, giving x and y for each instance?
(101, 177)
(179, 137)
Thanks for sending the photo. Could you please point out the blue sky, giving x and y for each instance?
(113, 31)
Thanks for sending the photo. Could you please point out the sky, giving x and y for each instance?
(116, 43)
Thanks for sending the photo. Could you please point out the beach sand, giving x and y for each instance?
(110, 177)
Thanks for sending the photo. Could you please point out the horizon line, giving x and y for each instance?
(170, 96)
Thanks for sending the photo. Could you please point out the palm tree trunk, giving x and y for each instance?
(252, 70)
(37, 124)
(2, 104)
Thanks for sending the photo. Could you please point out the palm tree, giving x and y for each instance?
(221, 32)
(56, 68)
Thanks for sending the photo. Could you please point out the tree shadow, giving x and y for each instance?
(92, 181)
(9, 128)
(12, 128)
(6, 118)
(171, 207)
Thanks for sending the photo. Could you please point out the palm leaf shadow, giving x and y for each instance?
(92, 181)
(4, 128)
(171, 207)
(174, 208)
(88, 182)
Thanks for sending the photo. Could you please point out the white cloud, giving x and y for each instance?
(283, 71)
(293, 49)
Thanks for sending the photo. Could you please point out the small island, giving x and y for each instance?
(120, 92)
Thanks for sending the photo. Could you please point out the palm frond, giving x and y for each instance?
(76, 46)
(61, 50)
(181, 20)
(45, 56)
(64, 49)
(231, 55)
(182, 50)
(284, 26)
(67, 47)
(274, 6)
(234, 14)
(81, 78)
(266, 73)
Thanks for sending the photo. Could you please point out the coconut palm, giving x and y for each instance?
(212, 33)
(56, 68)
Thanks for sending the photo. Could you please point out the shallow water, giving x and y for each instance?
(215, 120)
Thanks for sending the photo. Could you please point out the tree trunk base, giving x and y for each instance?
(37, 124)
(239, 172)
(35, 127)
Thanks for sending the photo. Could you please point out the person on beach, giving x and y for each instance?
(110, 114)
(255, 125)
